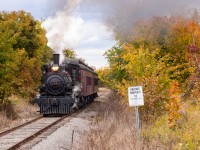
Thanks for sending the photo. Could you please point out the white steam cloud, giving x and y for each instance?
(63, 28)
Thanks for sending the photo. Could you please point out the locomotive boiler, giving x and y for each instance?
(66, 86)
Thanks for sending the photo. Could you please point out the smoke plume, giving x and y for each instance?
(63, 29)
(121, 15)
(75, 94)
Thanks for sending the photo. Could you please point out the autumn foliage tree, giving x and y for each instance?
(23, 49)
(104, 76)
(157, 55)
(174, 104)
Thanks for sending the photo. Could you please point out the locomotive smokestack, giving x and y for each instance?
(56, 59)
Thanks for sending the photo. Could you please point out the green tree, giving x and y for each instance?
(68, 53)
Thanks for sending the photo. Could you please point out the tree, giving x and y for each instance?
(23, 50)
(68, 53)
(104, 78)
(160, 53)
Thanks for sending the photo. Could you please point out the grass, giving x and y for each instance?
(114, 128)
(184, 137)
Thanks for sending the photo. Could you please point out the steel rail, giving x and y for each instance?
(19, 126)
(26, 140)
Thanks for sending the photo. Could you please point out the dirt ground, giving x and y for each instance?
(24, 111)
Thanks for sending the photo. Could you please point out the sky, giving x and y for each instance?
(69, 27)
(88, 26)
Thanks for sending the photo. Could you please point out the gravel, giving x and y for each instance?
(69, 135)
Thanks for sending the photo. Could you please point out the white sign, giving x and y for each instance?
(135, 96)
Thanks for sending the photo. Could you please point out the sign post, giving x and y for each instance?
(135, 96)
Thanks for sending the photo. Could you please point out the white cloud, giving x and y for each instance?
(94, 57)
(95, 40)
(38, 8)
(92, 39)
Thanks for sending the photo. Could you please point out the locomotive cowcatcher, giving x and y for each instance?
(66, 86)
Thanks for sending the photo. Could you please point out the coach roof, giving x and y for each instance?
(78, 62)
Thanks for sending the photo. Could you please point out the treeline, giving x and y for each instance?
(23, 50)
(162, 55)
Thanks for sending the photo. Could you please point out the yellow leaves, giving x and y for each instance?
(103, 75)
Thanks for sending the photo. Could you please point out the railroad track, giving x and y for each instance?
(22, 137)
(19, 136)
(16, 137)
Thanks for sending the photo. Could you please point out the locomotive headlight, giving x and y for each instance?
(55, 68)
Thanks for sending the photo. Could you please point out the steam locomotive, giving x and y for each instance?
(66, 86)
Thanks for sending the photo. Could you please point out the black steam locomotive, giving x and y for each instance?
(66, 86)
